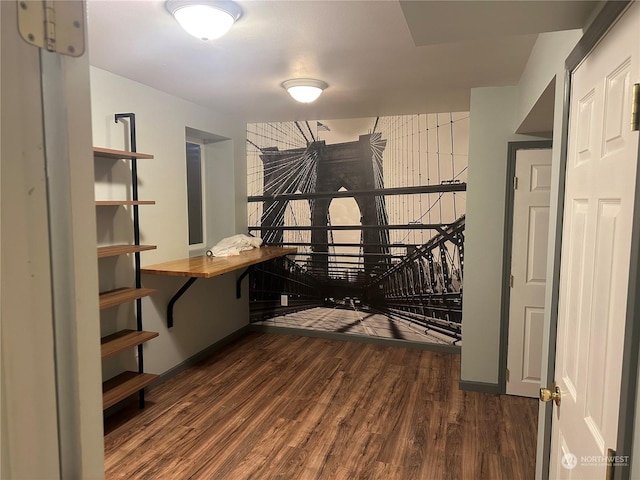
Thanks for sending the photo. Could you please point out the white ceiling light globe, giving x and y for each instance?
(304, 94)
(304, 90)
(206, 20)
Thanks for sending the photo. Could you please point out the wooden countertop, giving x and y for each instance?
(207, 267)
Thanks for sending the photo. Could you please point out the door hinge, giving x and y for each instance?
(635, 108)
(508, 375)
(515, 183)
(52, 25)
(511, 281)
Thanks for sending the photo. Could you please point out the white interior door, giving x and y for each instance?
(528, 270)
(598, 214)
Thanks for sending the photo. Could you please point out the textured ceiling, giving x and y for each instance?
(379, 57)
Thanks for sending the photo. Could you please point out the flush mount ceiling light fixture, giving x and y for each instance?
(205, 19)
(304, 90)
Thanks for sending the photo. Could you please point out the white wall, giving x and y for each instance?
(493, 121)
(547, 56)
(209, 311)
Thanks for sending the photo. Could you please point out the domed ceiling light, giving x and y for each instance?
(205, 19)
(304, 90)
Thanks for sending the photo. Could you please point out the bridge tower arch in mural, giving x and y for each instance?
(355, 167)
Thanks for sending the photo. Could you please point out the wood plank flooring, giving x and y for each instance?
(296, 408)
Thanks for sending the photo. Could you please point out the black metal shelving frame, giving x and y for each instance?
(136, 235)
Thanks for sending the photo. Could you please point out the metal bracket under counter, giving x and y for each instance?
(207, 267)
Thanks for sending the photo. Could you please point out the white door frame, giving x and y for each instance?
(602, 23)
(50, 383)
(512, 151)
(29, 425)
(66, 103)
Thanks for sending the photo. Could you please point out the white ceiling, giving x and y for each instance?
(379, 57)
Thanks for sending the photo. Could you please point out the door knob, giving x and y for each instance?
(551, 394)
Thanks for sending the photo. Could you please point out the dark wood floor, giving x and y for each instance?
(297, 408)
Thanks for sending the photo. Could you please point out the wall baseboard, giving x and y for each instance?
(348, 337)
(182, 366)
(481, 387)
(201, 355)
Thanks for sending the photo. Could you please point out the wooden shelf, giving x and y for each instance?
(115, 250)
(112, 154)
(122, 340)
(120, 387)
(122, 295)
(103, 203)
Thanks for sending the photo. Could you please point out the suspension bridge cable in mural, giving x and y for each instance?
(313, 138)
(453, 165)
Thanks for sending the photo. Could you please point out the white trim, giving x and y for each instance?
(74, 275)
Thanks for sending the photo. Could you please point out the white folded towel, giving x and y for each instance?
(234, 245)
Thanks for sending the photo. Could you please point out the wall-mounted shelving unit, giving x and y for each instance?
(126, 383)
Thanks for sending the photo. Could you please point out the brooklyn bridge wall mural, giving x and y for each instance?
(376, 210)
